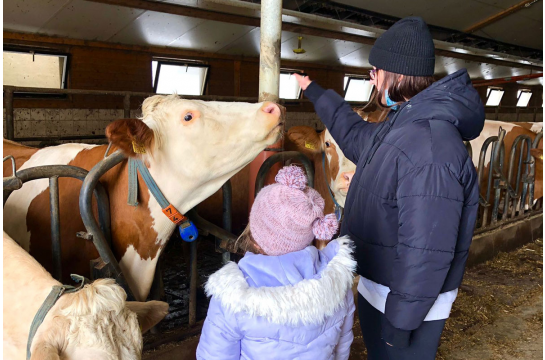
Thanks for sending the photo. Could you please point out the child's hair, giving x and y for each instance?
(246, 242)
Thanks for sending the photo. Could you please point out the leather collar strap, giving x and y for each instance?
(49, 302)
(338, 208)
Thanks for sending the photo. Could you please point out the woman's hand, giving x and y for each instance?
(303, 81)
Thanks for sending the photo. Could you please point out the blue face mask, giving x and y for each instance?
(389, 102)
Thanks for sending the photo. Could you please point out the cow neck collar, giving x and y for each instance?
(187, 229)
(338, 208)
(56, 292)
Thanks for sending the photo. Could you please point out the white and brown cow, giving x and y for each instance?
(192, 148)
(512, 131)
(93, 323)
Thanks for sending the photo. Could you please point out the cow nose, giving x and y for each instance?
(271, 108)
(348, 176)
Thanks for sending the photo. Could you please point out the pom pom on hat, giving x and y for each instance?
(293, 177)
(326, 227)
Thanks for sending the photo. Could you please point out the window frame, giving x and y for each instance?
(43, 52)
(290, 72)
(161, 61)
(489, 91)
(357, 77)
(520, 92)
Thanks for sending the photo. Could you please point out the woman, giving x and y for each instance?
(412, 204)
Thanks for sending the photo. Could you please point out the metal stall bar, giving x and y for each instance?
(227, 191)
(484, 201)
(53, 173)
(282, 157)
(94, 232)
(513, 194)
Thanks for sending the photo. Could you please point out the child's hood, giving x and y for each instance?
(302, 287)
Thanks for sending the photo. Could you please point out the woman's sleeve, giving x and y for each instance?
(348, 129)
(342, 352)
(220, 339)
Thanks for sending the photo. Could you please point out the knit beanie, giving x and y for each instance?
(288, 215)
(406, 48)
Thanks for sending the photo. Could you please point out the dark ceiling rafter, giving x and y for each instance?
(333, 10)
(502, 14)
(201, 13)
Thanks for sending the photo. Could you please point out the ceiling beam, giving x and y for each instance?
(492, 19)
(206, 14)
(510, 79)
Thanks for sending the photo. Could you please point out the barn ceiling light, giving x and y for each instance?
(299, 49)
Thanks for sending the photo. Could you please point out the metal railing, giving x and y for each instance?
(508, 192)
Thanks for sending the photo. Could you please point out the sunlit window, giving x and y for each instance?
(523, 98)
(289, 87)
(357, 88)
(493, 96)
(33, 69)
(176, 77)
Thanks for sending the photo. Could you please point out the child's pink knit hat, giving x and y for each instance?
(288, 215)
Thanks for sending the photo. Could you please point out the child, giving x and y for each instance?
(286, 299)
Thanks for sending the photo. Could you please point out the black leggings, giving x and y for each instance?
(424, 340)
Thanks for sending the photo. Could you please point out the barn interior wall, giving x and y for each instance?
(122, 69)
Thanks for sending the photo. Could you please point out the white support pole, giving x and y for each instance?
(269, 58)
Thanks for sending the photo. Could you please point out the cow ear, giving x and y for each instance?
(45, 351)
(305, 139)
(131, 136)
(149, 313)
(537, 154)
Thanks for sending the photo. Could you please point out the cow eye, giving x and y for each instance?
(327, 144)
(188, 117)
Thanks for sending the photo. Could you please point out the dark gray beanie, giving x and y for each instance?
(406, 48)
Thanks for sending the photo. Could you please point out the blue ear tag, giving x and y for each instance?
(188, 231)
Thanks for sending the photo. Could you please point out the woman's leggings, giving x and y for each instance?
(424, 340)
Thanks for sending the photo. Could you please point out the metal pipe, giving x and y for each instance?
(86, 212)
(8, 103)
(480, 174)
(269, 55)
(282, 157)
(193, 283)
(55, 227)
(227, 191)
(127, 106)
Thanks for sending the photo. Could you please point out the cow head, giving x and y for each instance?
(339, 170)
(96, 323)
(195, 144)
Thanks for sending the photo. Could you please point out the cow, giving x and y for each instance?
(512, 131)
(93, 323)
(190, 148)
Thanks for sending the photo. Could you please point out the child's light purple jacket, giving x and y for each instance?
(294, 306)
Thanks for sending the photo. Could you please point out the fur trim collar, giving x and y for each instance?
(308, 302)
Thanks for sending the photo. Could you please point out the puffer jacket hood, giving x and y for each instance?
(296, 305)
(452, 99)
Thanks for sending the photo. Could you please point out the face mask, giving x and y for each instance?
(389, 102)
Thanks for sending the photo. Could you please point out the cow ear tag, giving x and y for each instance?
(188, 231)
(309, 145)
(138, 148)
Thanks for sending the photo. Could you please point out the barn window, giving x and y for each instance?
(25, 68)
(183, 78)
(357, 88)
(289, 87)
(493, 96)
(523, 98)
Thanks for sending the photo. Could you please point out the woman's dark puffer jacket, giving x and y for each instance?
(413, 201)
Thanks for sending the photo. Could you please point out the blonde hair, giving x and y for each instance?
(246, 242)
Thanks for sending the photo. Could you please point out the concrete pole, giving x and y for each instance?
(269, 79)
